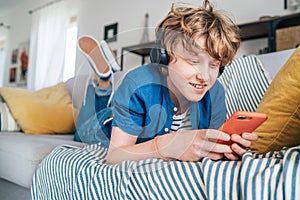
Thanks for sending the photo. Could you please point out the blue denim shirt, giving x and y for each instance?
(142, 105)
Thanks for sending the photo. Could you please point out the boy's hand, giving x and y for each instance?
(240, 145)
(193, 145)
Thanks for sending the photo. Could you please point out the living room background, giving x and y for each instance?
(93, 15)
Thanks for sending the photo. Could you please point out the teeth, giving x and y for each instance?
(199, 86)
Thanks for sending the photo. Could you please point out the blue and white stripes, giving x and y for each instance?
(81, 173)
(245, 82)
(291, 174)
(7, 121)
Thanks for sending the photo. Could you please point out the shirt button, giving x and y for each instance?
(166, 130)
(175, 109)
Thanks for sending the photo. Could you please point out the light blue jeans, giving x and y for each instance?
(93, 122)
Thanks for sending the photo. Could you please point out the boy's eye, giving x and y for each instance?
(194, 62)
(214, 65)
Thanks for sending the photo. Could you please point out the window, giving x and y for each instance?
(70, 50)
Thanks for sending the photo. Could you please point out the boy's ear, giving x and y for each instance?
(172, 59)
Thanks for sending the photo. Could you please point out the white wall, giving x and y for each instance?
(93, 15)
(20, 22)
(19, 32)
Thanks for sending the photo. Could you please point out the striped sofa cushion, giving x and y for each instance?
(81, 173)
(7, 122)
(245, 81)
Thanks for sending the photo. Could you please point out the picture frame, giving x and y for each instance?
(110, 32)
(12, 74)
(14, 56)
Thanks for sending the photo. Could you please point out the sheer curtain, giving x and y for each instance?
(47, 46)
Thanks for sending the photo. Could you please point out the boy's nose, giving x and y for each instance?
(202, 72)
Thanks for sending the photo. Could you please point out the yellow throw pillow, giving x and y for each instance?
(45, 111)
(281, 103)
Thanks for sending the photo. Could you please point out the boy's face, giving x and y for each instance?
(191, 75)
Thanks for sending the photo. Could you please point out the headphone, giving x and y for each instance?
(159, 55)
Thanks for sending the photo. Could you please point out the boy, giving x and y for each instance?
(172, 107)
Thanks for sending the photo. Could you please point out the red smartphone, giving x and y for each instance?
(242, 121)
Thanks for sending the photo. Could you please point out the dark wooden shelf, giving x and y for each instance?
(142, 50)
(266, 28)
(254, 30)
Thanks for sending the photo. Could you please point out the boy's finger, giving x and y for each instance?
(237, 149)
(238, 139)
(250, 136)
(216, 134)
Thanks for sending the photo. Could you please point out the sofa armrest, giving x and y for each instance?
(77, 86)
(272, 62)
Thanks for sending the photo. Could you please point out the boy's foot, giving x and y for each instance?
(101, 58)
(109, 56)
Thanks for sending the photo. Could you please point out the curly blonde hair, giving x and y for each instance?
(185, 24)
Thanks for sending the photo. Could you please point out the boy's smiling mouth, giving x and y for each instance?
(198, 86)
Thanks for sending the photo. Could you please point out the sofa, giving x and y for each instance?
(22, 153)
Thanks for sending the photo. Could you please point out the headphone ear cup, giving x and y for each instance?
(154, 54)
(159, 55)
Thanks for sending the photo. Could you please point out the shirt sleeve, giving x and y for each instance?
(218, 106)
(128, 107)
